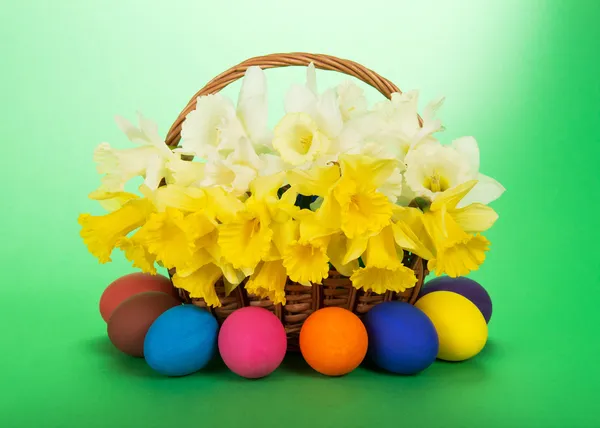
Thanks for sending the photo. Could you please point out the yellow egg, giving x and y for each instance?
(461, 328)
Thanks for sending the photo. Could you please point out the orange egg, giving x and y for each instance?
(333, 341)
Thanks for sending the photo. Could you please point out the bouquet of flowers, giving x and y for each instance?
(336, 184)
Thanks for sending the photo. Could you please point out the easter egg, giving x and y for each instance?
(466, 287)
(333, 341)
(252, 342)
(130, 321)
(461, 328)
(181, 341)
(402, 339)
(130, 285)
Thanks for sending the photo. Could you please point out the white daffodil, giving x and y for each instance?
(392, 126)
(309, 130)
(351, 99)
(148, 160)
(216, 126)
(239, 168)
(432, 168)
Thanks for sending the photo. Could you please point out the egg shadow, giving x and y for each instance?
(116, 360)
(473, 371)
(491, 350)
(295, 364)
(99, 346)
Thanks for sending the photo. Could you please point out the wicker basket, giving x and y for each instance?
(336, 290)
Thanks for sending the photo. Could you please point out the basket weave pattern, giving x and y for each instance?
(336, 290)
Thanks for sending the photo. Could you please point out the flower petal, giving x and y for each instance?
(468, 148)
(485, 191)
(189, 199)
(245, 241)
(135, 251)
(311, 78)
(222, 205)
(351, 99)
(201, 283)
(201, 129)
(362, 211)
(298, 139)
(337, 251)
(475, 218)
(363, 169)
(316, 181)
(306, 263)
(120, 166)
(101, 233)
(184, 173)
(379, 280)
(329, 117)
(165, 235)
(252, 105)
(406, 239)
(355, 248)
(451, 197)
(268, 281)
(111, 200)
(460, 259)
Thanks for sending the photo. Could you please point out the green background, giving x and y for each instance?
(521, 76)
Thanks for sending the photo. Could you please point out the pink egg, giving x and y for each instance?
(252, 342)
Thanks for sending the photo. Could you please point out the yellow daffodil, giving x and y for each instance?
(201, 283)
(166, 236)
(306, 262)
(245, 240)
(383, 269)
(454, 232)
(202, 234)
(351, 203)
(354, 201)
(268, 281)
(101, 233)
(136, 251)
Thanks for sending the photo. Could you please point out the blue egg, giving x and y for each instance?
(402, 339)
(181, 341)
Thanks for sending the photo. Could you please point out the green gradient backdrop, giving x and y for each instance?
(521, 76)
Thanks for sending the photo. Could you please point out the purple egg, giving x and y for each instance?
(466, 287)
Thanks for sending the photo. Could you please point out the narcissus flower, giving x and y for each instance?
(268, 281)
(433, 168)
(102, 233)
(201, 283)
(383, 269)
(454, 232)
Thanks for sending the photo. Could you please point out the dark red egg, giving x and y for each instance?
(130, 285)
(130, 321)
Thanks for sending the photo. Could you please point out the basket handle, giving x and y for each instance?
(321, 61)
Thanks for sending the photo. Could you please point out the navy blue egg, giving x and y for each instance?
(402, 339)
(181, 341)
